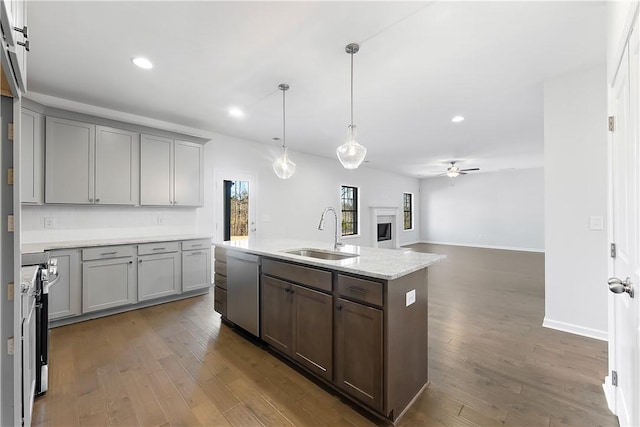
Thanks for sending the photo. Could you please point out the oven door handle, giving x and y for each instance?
(51, 283)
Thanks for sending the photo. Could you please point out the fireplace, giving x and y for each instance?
(384, 231)
(386, 221)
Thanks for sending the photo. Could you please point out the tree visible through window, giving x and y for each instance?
(407, 206)
(349, 206)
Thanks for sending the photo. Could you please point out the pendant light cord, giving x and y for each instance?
(352, 89)
(284, 137)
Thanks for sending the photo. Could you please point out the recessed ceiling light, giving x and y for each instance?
(236, 112)
(457, 119)
(142, 63)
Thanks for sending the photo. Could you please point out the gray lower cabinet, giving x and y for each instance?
(158, 275)
(196, 269)
(65, 296)
(108, 283)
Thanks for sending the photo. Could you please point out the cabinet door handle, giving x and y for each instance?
(97, 200)
(339, 307)
(108, 253)
(90, 200)
(195, 253)
(159, 249)
(139, 261)
(130, 262)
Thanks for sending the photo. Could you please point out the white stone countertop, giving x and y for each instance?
(387, 264)
(27, 277)
(28, 248)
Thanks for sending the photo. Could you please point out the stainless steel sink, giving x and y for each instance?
(321, 254)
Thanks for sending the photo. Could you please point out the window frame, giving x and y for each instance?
(356, 211)
(411, 211)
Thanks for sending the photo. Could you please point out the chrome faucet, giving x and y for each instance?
(336, 244)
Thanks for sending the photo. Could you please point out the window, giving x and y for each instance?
(407, 207)
(349, 206)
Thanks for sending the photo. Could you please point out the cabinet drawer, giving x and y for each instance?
(220, 254)
(107, 252)
(220, 268)
(196, 244)
(220, 301)
(307, 276)
(360, 290)
(158, 248)
(220, 281)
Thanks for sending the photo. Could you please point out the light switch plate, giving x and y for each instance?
(410, 297)
(10, 176)
(10, 348)
(10, 224)
(10, 291)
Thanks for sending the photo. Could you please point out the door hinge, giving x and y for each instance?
(614, 378)
(612, 123)
(613, 250)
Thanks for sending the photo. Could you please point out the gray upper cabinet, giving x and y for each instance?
(31, 157)
(70, 150)
(116, 166)
(156, 171)
(189, 165)
(89, 164)
(171, 172)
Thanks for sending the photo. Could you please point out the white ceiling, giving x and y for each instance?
(419, 65)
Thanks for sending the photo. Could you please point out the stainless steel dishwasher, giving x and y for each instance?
(243, 291)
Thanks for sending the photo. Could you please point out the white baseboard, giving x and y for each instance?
(576, 329)
(609, 393)
(470, 245)
(413, 242)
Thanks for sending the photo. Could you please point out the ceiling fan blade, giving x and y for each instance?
(461, 173)
(469, 170)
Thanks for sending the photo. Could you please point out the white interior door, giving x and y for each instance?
(228, 175)
(624, 324)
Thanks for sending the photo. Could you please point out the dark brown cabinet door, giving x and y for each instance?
(312, 331)
(277, 310)
(359, 352)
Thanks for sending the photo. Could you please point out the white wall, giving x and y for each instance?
(292, 208)
(286, 208)
(496, 209)
(575, 142)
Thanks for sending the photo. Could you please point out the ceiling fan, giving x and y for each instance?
(453, 170)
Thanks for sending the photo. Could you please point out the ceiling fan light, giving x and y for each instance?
(452, 173)
(351, 154)
(283, 167)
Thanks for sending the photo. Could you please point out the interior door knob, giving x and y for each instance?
(618, 286)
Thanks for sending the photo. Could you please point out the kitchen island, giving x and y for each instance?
(355, 318)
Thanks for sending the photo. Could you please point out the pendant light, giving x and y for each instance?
(351, 154)
(282, 166)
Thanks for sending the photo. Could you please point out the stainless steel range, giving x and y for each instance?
(46, 277)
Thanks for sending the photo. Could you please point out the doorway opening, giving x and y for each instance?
(236, 210)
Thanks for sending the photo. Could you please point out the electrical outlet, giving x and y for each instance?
(596, 223)
(160, 220)
(10, 224)
(410, 297)
(49, 222)
(10, 291)
(10, 348)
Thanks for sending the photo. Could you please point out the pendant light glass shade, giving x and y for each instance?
(351, 154)
(283, 167)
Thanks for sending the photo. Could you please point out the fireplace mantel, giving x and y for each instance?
(396, 224)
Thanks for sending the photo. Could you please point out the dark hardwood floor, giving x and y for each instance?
(490, 362)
